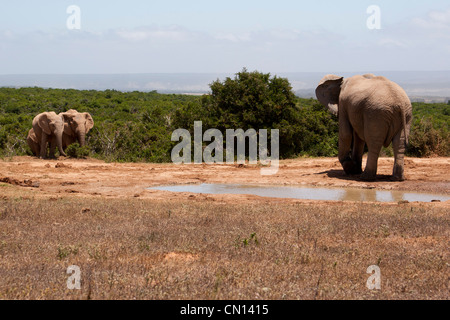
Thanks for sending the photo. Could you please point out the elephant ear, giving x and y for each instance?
(89, 121)
(44, 123)
(32, 136)
(328, 92)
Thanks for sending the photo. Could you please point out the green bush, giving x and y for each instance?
(426, 140)
(76, 151)
(253, 100)
(137, 126)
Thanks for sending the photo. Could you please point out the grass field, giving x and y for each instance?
(194, 249)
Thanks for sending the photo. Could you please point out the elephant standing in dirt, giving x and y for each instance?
(47, 129)
(76, 127)
(33, 142)
(371, 110)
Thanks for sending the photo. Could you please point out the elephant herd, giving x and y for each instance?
(51, 131)
(371, 110)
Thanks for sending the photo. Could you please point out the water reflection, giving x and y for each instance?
(376, 195)
(307, 193)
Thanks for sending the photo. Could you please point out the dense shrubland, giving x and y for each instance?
(137, 126)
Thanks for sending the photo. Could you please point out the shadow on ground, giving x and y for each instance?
(340, 174)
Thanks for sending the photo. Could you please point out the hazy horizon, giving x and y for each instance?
(419, 85)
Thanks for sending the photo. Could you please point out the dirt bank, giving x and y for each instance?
(99, 179)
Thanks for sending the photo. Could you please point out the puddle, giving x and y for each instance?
(307, 193)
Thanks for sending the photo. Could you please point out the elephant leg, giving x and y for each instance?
(52, 148)
(36, 149)
(44, 140)
(345, 142)
(370, 173)
(398, 144)
(357, 152)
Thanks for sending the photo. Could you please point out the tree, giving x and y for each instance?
(254, 100)
(250, 100)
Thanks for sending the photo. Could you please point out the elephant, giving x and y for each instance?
(371, 110)
(47, 129)
(35, 145)
(33, 142)
(76, 126)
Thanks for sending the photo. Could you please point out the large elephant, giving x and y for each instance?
(371, 110)
(76, 127)
(47, 127)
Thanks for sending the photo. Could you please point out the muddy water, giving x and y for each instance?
(307, 193)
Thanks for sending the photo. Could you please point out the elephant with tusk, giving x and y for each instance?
(47, 129)
(371, 110)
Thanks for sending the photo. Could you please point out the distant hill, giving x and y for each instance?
(421, 86)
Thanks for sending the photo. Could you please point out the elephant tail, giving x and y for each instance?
(404, 127)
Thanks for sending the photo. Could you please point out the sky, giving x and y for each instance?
(199, 36)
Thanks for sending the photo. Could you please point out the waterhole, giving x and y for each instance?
(307, 193)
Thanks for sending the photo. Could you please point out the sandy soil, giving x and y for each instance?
(94, 178)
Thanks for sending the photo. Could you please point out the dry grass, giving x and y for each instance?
(148, 249)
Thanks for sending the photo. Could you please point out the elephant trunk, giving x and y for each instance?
(82, 138)
(59, 144)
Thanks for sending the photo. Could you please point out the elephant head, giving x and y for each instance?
(48, 126)
(77, 125)
(328, 92)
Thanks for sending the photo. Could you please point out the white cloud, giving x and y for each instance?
(234, 37)
(436, 24)
(441, 17)
(8, 34)
(171, 33)
(389, 42)
(419, 43)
